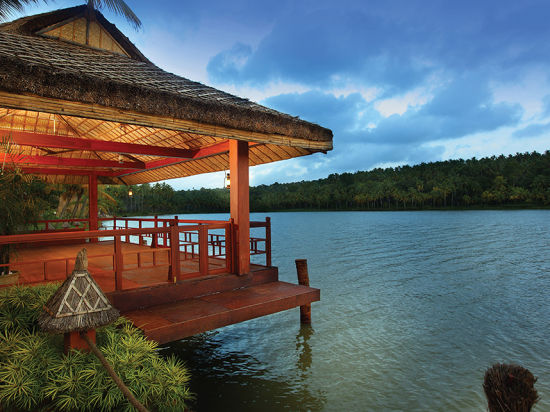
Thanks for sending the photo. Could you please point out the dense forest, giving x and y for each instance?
(521, 180)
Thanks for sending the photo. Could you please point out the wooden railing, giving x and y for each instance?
(206, 244)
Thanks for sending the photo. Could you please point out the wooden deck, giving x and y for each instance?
(168, 311)
(187, 317)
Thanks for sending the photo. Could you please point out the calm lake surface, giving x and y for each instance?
(415, 306)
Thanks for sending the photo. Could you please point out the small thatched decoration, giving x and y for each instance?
(78, 304)
(510, 388)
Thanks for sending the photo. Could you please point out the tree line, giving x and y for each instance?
(521, 180)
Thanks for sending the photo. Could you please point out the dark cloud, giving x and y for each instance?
(395, 46)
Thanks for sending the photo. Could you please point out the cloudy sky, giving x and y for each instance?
(398, 82)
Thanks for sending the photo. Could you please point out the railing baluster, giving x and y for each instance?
(174, 272)
(268, 241)
(203, 249)
(119, 263)
(228, 250)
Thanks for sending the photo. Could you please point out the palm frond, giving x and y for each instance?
(117, 6)
(10, 7)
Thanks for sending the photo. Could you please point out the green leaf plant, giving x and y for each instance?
(35, 375)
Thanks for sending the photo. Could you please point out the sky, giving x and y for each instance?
(398, 82)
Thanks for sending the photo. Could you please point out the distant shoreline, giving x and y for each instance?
(450, 209)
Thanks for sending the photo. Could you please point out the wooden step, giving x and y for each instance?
(177, 320)
(141, 298)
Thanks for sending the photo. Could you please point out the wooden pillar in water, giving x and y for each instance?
(92, 204)
(240, 207)
(303, 279)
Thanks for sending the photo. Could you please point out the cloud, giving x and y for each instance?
(347, 115)
(464, 107)
(533, 130)
(546, 106)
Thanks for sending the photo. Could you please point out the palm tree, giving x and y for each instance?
(8, 7)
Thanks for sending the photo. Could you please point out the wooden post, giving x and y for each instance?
(268, 241)
(154, 237)
(73, 340)
(240, 204)
(229, 247)
(174, 272)
(203, 249)
(119, 263)
(114, 222)
(303, 279)
(92, 204)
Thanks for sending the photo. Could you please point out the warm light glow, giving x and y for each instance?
(130, 193)
(227, 181)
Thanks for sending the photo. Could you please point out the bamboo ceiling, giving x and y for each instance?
(76, 110)
(13, 121)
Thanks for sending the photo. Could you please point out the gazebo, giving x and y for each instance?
(85, 106)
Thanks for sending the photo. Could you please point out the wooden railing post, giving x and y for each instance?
(203, 249)
(268, 241)
(174, 271)
(119, 263)
(140, 237)
(127, 236)
(114, 222)
(303, 279)
(229, 246)
(154, 236)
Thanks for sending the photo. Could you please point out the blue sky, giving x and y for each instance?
(398, 82)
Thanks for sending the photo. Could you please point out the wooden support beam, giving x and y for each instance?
(92, 203)
(303, 279)
(212, 150)
(95, 111)
(69, 162)
(240, 204)
(68, 172)
(76, 143)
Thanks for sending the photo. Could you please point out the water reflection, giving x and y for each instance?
(224, 379)
(304, 349)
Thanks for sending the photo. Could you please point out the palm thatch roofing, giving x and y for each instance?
(72, 74)
(79, 304)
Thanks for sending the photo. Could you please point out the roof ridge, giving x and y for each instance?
(31, 25)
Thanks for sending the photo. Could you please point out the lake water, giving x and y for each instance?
(415, 306)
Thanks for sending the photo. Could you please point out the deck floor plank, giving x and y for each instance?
(185, 318)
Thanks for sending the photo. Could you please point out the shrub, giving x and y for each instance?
(36, 375)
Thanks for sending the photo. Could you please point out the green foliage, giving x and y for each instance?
(36, 375)
(522, 180)
(22, 198)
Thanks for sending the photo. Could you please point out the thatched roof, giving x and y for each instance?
(87, 73)
(78, 304)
